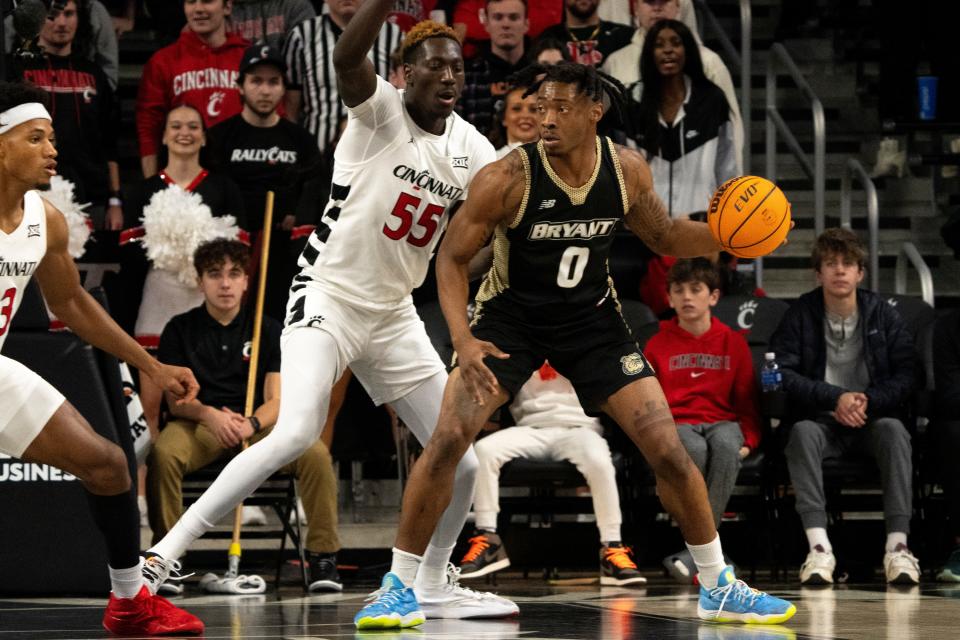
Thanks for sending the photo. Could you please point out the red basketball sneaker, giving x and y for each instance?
(147, 615)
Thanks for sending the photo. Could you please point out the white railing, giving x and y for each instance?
(741, 60)
(815, 170)
(910, 256)
(853, 169)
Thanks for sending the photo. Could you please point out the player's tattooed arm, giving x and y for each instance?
(648, 218)
(495, 196)
(356, 77)
(70, 303)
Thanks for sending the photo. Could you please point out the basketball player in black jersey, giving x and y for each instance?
(552, 208)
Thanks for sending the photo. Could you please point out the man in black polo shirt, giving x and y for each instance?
(215, 339)
(261, 152)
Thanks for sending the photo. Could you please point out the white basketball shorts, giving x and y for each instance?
(387, 350)
(27, 403)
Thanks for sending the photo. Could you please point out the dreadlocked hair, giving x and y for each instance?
(423, 31)
(599, 86)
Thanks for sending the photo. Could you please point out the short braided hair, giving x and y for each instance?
(597, 85)
(423, 31)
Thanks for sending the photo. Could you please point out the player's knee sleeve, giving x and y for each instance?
(468, 466)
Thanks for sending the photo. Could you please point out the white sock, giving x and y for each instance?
(894, 538)
(818, 536)
(126, 583)
(709, 560)
(433, 569)
(610, 533)
(190, 527)
(405, 566)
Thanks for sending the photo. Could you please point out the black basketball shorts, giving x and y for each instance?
(598, 354)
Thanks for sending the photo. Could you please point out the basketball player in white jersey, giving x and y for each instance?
(36, 423)
(404, 162)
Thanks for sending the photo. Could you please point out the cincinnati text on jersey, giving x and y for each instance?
(424, 180)
(17, 268)
(272, 155)
(575, 229)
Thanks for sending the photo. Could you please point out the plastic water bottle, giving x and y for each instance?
(770, 377)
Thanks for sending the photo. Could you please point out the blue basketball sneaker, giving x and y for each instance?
(733, 601)
(392, 606)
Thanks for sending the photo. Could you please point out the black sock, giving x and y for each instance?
(118, 519)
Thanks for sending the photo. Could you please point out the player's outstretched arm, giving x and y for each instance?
(649, 219)
(68, 300)
(495, 196)
(356, 77)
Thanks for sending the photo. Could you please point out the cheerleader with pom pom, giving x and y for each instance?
(182, 207)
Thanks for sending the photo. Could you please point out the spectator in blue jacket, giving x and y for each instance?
(847, 360)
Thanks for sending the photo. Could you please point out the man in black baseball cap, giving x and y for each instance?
(263, 152)
(258, 54)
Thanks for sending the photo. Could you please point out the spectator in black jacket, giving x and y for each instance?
(847, 360)
(946, 362)
(486, 75)
(84, 109)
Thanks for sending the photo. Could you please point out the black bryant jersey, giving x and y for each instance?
(550, 263)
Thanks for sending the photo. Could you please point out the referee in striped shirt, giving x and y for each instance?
(312, 98)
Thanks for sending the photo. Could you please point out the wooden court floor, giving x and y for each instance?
(661, 610)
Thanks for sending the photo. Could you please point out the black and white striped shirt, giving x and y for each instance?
(309, 55)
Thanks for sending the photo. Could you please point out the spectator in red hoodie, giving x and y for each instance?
(199, 69)
(706, 372)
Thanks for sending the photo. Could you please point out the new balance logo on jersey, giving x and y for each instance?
(576, 229)
(460, 162)
(17, 268)
(33, 230)
(547, 204)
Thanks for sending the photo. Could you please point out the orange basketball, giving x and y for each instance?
(749, 216)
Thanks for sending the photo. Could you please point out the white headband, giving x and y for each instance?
(21, 113)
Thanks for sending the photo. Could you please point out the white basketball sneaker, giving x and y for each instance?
(451, 600)
(901, 566)
(162, 575)
(818, 567)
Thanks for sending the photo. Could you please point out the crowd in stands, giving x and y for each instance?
(242, 99)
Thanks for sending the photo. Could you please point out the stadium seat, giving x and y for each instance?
(755, 318)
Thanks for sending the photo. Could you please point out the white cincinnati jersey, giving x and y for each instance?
(20, 253)
(393, 187)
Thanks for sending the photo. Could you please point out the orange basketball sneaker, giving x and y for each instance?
(148, 615)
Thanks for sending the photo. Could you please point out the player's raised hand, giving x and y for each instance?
(477, 377)
(178, 381)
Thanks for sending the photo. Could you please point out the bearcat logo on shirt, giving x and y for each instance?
(632, 364)
(423, 180)
(575, 229)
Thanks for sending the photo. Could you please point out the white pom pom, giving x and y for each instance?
(175, 223)
(61, 195)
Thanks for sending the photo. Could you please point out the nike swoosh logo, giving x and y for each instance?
(696, 375)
